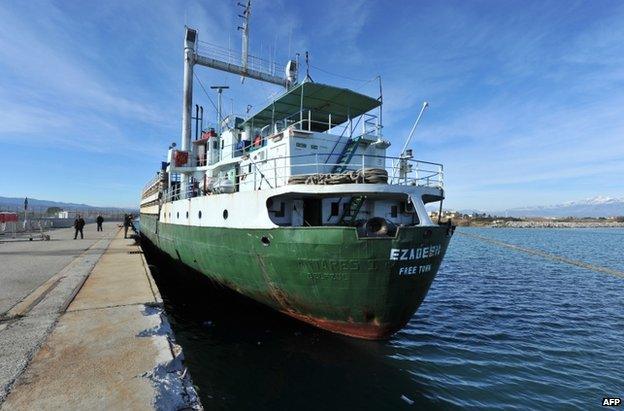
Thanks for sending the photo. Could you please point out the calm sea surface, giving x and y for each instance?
(498, 329)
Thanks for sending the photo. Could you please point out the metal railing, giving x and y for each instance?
(300, 121)
(313, 169)
(234, 57)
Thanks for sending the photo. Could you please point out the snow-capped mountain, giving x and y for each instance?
(599, 206)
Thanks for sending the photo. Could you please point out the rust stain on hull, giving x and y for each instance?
(367, 331)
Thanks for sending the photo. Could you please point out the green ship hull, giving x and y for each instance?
(326, 276)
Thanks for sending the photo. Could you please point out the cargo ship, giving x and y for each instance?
(297, 205)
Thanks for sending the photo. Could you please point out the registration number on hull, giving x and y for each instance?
(415, 269)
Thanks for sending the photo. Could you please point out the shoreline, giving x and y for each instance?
(542, 224)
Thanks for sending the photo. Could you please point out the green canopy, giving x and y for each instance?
(319, 99)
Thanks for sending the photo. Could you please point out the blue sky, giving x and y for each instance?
(527, 98)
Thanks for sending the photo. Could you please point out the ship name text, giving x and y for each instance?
(408, 254)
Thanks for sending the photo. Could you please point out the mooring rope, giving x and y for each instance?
(549, 256)
(368, 175)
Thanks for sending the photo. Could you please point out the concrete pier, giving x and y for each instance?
(92, 335)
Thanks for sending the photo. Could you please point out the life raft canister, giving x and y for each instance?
(180, 157)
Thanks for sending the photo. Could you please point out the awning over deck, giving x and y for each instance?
(320, 100)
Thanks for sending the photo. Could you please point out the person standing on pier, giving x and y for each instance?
(79, 224)
(99, 220)
(127, 224)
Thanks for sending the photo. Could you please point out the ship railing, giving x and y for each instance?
(361, 168)
(365, 125)
(175, 192)
(232, 56)
(304, 120)
(315, 169)
(151, 183)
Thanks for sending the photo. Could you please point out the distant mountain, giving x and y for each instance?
(17, 203)
(591, 207)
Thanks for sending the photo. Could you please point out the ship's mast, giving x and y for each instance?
(245, 30)
(187, 100)
(192, 57)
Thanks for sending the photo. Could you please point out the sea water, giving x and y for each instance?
(498, 329)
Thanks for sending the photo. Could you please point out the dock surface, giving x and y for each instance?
(28, 264)
(92, 336)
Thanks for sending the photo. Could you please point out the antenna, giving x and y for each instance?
(411, 134)
(407, 154)
(379, 119)
(245, 29)
(219, 103)
(307, 60)
(215, 59)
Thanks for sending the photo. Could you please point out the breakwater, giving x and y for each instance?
(557, 224)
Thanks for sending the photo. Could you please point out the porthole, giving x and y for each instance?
(265, 241)
(199, 214)
(225, 214)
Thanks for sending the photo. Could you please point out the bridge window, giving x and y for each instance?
(393, 211)
(282, 210)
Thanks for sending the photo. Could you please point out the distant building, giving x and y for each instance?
(445, 214)
(63, 214)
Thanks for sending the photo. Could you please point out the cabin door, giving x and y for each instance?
(312, 212)
(277, 161)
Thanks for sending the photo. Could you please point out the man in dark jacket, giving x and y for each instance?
(127, 224)
(79, 224)
(99, 220)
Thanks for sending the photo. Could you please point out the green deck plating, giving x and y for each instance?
(326, 276)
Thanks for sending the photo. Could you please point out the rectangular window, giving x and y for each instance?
(282, 210)
(249, 169)
(394, 211)
(335, 208)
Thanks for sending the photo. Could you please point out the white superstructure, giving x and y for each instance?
(314, 156)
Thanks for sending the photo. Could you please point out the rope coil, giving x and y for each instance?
(366, 176)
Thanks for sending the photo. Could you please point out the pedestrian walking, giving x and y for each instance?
(79, 224)
(99, 220)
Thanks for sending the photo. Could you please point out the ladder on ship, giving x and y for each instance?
(351, 210)
(347, 154)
